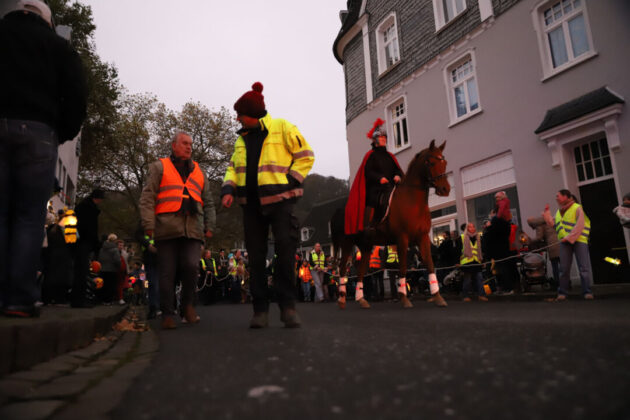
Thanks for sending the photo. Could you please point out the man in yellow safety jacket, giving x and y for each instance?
(573, 227)
(265, 175)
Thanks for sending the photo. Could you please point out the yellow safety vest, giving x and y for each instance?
(564, 224)
(475, 251)
(318, 260)
(284, 152)
(392, 255)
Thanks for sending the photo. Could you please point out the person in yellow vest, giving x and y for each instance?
(271, 159)
(573, 227)
(318, 266)
(177, 210)
(470, 263)
(392, 265)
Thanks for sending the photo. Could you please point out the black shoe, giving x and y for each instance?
(82, 304)
(21, 311)
(290, 318)
(152, 313)
(259, 320)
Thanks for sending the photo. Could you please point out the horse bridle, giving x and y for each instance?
(429, 164)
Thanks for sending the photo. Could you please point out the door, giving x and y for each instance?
(607, 238)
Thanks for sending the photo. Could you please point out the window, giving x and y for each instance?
(592, 160)
(445, 11)
(564, 34)
(478, 208)
(398, 121)
(387, 44)
(463, 96)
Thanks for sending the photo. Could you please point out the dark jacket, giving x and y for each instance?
(497, 237)
(41, 76)
(87, 222)
(379, 165)
(109, 257)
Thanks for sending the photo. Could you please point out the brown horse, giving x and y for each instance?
(408, 222)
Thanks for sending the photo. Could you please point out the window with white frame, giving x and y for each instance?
(462, 89)
(447, 10)
(387, 43)
(564, 34)
(592, 160)
(398, 121)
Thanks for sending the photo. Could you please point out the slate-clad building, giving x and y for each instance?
(530, 96)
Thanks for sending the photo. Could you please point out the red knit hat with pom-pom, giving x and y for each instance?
(252, 103)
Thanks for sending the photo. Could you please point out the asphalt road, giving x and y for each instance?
(503, 360)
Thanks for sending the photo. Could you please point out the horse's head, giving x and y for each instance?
(436, 164)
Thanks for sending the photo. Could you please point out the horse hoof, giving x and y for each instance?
(341, 302)
(406, 303)
(364, 304)
(438, 300)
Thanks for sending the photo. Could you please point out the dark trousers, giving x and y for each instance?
(151, 271)
(81, 255)
(177, 258)
(28, 154)
(284, 227)
(110, 280)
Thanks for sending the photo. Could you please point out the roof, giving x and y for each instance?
(318, 220)
(351, 17)
(578, 107)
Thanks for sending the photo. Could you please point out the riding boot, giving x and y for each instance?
(368, 221)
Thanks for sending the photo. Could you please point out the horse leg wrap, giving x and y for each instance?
(402, 286)
(433, 284)
(342, 284)
(358, 293)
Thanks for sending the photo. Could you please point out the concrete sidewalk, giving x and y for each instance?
(27, 342)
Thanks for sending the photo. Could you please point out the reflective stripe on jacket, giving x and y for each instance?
(392, 255)
(171, 192)
(475, 251)
(284, 152)
(564, 224)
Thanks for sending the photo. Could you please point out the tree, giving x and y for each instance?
(318, 189)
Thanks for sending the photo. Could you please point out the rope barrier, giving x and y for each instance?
(452, 267)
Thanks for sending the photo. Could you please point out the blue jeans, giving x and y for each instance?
(473, 283)
(580, 250)
(28, 155)
(306, 289)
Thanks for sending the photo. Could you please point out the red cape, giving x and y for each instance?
(356, 200)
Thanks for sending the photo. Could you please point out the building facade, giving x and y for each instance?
(528, 94)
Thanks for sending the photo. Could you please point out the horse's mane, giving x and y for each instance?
(416, 161)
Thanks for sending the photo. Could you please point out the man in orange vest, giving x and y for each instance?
(177, 210)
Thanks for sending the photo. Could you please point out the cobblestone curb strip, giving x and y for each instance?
(27, 342)
(86, 383)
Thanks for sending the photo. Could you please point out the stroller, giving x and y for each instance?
(534, 272)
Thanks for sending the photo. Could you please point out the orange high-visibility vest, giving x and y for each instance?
(171, 193)
(305, 274)
(375, 258)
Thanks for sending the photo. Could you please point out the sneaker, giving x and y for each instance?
(589, 296)
(290, 318)
(559, 298)
(121, 302)
(482, 298)
(168, 323)
(467, 299)
(190, 315)
(19, 311)
(508, 293)
(259, 320)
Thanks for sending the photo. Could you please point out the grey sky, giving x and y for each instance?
(212, 51)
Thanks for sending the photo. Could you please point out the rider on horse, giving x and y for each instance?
(375, 179)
